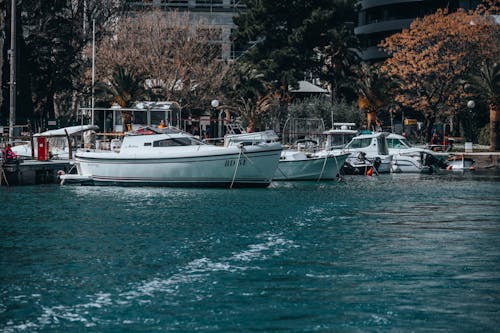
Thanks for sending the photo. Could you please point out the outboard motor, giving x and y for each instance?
(429, 160)
(377, 163)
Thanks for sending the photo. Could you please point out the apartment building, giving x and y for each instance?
(219, 13)
(378, 19)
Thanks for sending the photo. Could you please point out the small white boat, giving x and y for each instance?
(460, 163)
(366, 151)
(409, 159)
(170, 157)
(299, 165)
(303, 161)
(340, 135)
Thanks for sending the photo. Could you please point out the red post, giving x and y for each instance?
(43, 148)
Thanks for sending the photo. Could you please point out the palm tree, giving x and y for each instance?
(337, 60)
(249, 95)
(123, 88)
(486, 83)
(372, 92)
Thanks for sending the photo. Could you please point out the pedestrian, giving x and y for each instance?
(8, 154)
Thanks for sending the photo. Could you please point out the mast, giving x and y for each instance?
(93, 67)
(12, 52)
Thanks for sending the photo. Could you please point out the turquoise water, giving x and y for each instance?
(394, 253)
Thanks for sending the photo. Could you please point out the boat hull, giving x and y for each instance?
(356, 166)
(228, 167)
(460, 163)
(318, 168)
(409, 164)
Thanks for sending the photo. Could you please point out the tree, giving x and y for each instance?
(486, 84)
(248, 94)
(289, 37)
(373, 92)
(51, 39)
(431, 59)
(337, 61)
(123, 88)
(181, 59)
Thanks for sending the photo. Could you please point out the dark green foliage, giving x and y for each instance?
(286, 36)
(124, 88)
(51, 52)
(51, 38)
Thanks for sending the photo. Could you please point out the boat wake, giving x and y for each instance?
(199, 270)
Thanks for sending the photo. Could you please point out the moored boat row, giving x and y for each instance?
(170, 157)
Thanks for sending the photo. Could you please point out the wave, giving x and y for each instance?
(195, 271)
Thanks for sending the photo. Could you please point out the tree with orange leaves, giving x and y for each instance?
(431, 60)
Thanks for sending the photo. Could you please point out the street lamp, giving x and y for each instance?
(215, 105)
(468, 144)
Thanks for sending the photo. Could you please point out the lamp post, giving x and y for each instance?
(215, 105)
(471, 104)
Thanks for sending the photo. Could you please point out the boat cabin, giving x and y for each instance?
(142, 114)
(369, 143)
(339, 135)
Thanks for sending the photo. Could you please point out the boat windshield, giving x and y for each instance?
(339, 140)
(359, 143)
(382, 145)
(398, 143)
(176, 142)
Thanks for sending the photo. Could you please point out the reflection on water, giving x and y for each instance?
(388, 253)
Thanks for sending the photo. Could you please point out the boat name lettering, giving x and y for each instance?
(230, 163)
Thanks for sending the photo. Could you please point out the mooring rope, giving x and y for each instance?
(338, 170)
(323, 168)
(253, 164)
(236, 168)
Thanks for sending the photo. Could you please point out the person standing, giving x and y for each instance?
(8, 154)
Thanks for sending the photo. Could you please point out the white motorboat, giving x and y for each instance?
(340, 135)
(409, 159)
(299, 165)
(460, 163)
(170, 157)
(367, 151)
(57, 141)
(303, 161)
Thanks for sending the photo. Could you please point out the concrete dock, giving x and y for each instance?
(33, 172)
(483, 160)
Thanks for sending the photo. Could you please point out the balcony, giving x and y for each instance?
(365, 4)
(189, 5)
(391, 25)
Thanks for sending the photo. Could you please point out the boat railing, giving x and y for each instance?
(250, 139)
